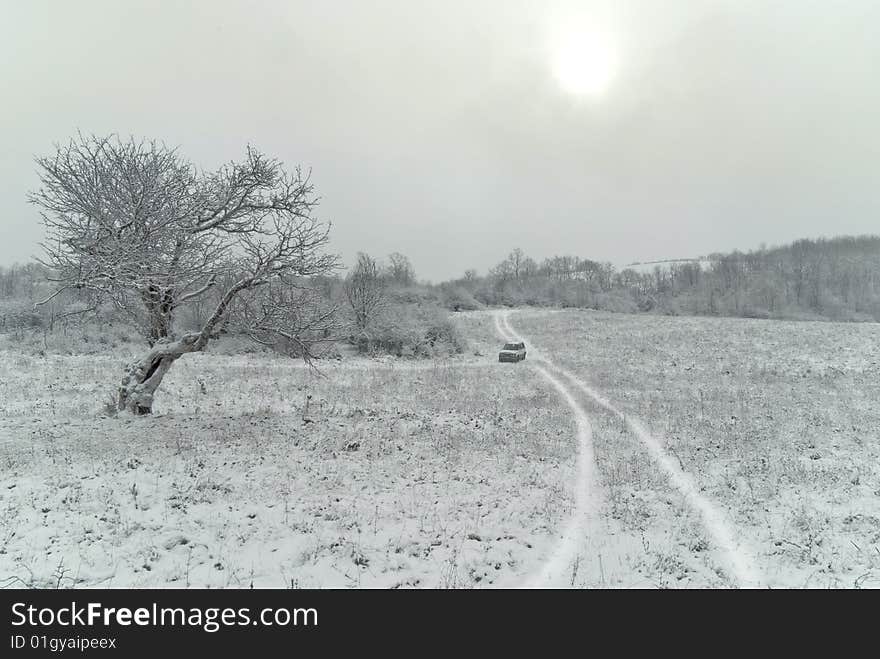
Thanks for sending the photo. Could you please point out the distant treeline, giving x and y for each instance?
(834, 279)
(386, 308)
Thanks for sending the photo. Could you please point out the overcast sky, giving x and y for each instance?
(438, 129)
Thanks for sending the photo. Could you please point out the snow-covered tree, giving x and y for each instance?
(136, 223)
(365, 291)
(400, 270)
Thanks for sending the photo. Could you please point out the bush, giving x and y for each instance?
(412, 331)
(617, 301)
(19, 315)
(413, 295)
(457, 298)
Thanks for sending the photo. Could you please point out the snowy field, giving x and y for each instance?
(774, 425)
(626, 451)
(383, 474)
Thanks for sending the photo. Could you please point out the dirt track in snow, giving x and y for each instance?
(738, 559)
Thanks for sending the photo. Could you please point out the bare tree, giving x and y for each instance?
(365, 291)
(517, 259)
(293, 317)
(516, 267)
(136, 223)
(400, 270)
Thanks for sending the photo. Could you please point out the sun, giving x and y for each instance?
(583, 62)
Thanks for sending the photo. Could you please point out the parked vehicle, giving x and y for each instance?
(512, 352)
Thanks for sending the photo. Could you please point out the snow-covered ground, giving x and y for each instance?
(626, 451)
(775, 426)
(257, 471)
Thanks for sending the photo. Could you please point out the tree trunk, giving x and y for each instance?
(158, 302)
(160, 327)
(144, 376)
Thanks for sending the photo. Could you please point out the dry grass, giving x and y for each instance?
(258, 471)
(779, 422)
(451, 473)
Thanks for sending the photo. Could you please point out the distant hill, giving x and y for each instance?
(837, 278)
(833, 279)
(649, 266)
(824, 279)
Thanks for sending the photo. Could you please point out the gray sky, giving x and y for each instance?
(438, 129)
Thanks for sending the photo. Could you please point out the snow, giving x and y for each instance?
(375, 484)
(642, 451)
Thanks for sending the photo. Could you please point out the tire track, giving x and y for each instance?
(582, 521)
(737, 557)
